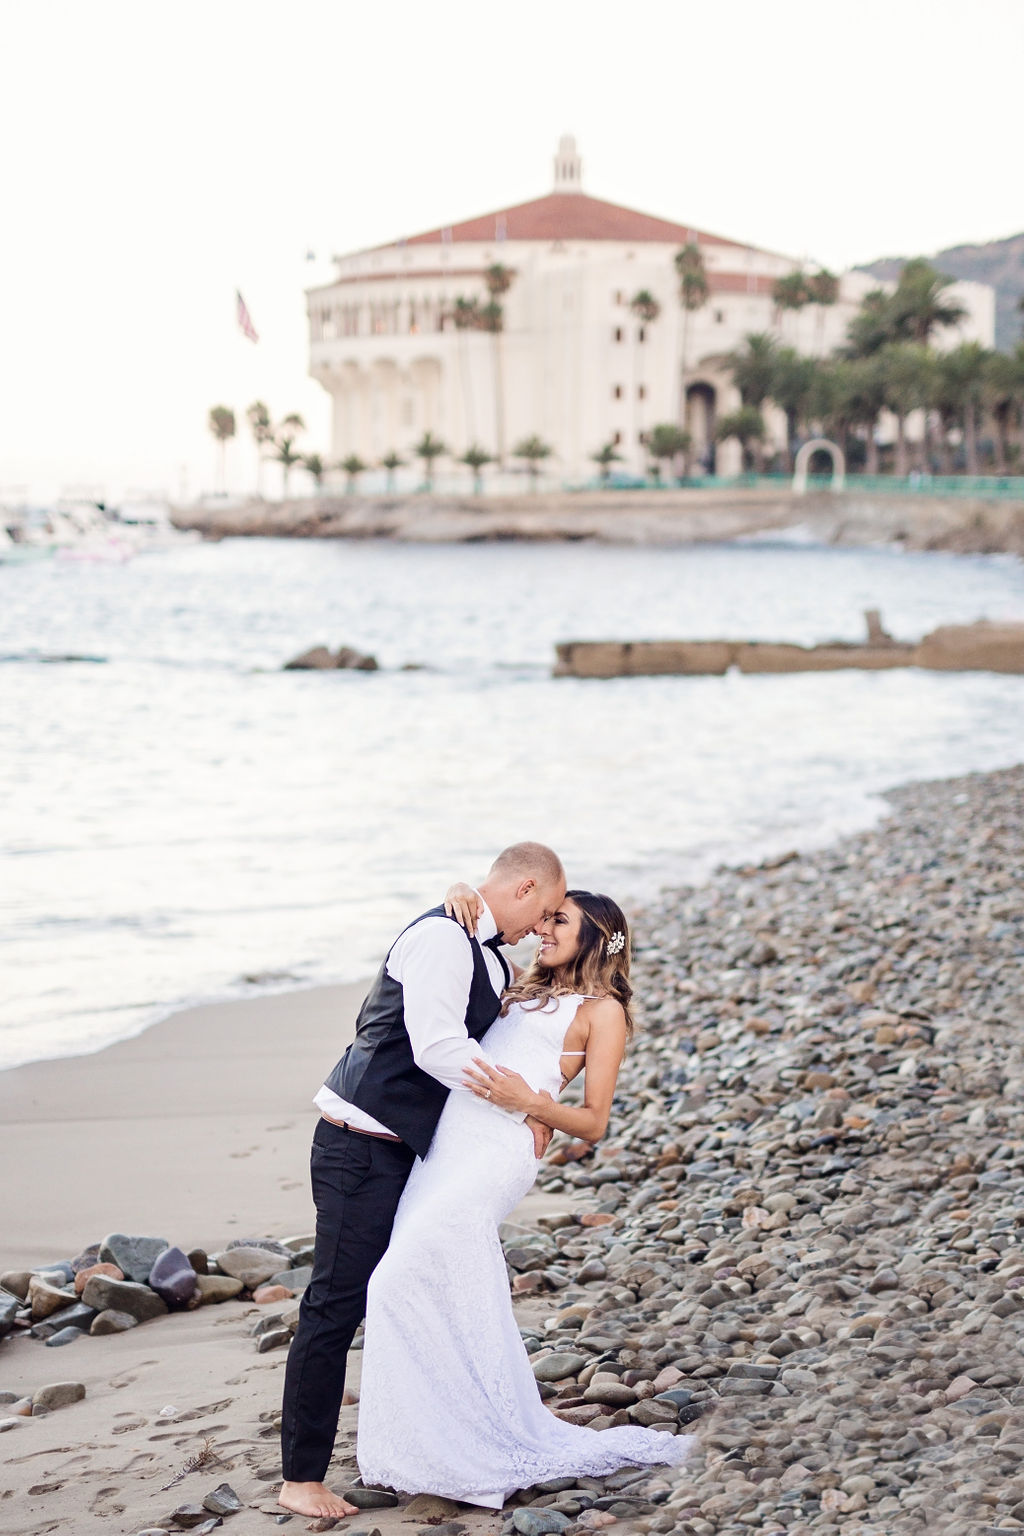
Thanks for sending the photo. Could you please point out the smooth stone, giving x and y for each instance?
(134, 1255)
(10, 1306)
(45, 1299)
(16, 1281)
(123, 1296)
(58, 1394)
(370, 1498)
(214, 1288)
(264, 1294)
(6, 1424)
(112, 1321)
(679, 1396)
(85, 1274)
(274, 1339)
(86, 1258)
(557, 1366)
(172, 1277)
(615, 1393)
(538, 1522)
(253, 1266)
(63, 1336)
(209, 1525)
(78, 1315)
(295, 1279)
(652, 1412)
(223, 1500)
(430, 1506)
(189, 1515)
(199, 1260)
(264, 1244)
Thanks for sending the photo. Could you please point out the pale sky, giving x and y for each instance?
(156, 158)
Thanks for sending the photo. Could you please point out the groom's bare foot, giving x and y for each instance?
(315, 1500)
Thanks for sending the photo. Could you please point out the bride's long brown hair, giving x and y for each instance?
(592, 971)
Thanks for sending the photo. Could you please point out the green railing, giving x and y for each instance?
(989, 487)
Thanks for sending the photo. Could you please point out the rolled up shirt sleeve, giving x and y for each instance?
(434, 963)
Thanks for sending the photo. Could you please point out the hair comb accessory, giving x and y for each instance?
(617, 943)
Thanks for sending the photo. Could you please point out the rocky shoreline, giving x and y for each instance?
(802, 1238)
(963, 525)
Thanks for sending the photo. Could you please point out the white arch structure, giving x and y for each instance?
(803, 459)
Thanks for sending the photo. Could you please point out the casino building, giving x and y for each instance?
(572, 362)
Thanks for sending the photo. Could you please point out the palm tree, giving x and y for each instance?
(1004, 396)
(790, 292)
(667, 441)
(428, 449)
(476, 457)
(906, 379)
(534, 450)
(645, 309)
(499, 280)
(292, 423)
(314, 465)
(221, 422)
(391, 461)
(919, 306)
(258, 417)
(862, 390)
(353, 466)
(287, 457)
(693, 295)
(747, 426)
(963, 374)
(753, 370)
(791, 385)
(822, 292)
(871, 327)
(604, 458)
(465, 315)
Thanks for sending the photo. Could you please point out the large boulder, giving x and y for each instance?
(134, 1256)
(123, 1296)
(253, 1266)
(173, 1278)
(319, 659)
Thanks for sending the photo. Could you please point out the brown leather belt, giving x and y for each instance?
(377, 1135)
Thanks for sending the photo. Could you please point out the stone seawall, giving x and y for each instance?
(672, 516)
(981, 647)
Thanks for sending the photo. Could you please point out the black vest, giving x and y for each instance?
(378, 1074)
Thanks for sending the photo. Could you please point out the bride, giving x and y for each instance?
(448, 1401)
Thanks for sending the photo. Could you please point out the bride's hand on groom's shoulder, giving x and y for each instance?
(462, 902)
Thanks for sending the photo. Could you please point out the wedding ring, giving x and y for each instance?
(487, 1093)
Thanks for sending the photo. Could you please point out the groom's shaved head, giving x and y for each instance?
(521, 860)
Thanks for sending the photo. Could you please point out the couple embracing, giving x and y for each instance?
(411, 1180)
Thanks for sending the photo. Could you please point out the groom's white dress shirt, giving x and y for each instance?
(433, 964)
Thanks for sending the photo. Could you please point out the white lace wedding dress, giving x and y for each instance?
(448, 1402)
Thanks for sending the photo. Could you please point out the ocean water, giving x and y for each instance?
(183, 819)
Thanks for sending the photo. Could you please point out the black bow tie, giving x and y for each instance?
(493, 943)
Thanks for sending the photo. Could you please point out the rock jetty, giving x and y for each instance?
(981, 647)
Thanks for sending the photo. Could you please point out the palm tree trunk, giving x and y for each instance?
(871, 454)
(971, 438)
(499, 399)
(901, 445)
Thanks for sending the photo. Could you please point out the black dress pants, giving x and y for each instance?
(357, 1184)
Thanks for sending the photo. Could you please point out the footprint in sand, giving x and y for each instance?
(106, 1502)
(45, 1488)
(127, 1377)
(131, 1421)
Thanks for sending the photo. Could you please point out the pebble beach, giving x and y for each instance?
(798, 1242)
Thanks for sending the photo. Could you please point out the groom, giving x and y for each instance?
(435, 996)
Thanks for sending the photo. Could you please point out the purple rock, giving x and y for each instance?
(172, 1277)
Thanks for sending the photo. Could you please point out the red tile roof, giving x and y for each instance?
(567, 216)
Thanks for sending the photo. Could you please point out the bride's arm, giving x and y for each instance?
(606, 1046)
(463, 903)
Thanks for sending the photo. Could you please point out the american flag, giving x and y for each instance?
(244, 317)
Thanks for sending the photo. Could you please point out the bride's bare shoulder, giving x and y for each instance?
(603, 1012)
